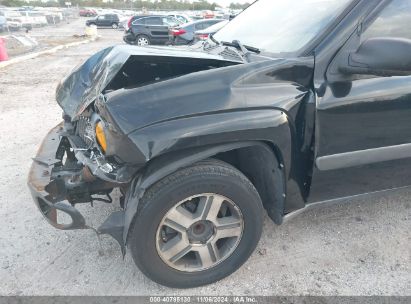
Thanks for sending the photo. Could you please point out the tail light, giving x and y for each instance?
(177, 32)
(129, 22)
(202, 36)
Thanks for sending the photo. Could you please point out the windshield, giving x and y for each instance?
(171, 21)
(281, 26)
(214, 28)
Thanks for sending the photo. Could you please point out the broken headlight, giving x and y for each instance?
(101, 136)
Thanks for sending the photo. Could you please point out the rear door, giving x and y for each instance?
(157, 29)
(109, 20)
(101, 20)
(363, 136)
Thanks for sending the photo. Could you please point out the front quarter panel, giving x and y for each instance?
(262, 104)
(256, 125)
(183, 120)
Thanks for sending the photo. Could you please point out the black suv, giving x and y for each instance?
(311, 104)
(153, 29)
(107, 20)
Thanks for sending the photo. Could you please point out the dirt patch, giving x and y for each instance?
(59, 40)
(14, 47)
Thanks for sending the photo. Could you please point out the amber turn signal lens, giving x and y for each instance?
(101, 137)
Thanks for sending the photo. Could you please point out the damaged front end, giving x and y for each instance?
(67, 171)
(48, 185)
(123, 66)
(72, 166)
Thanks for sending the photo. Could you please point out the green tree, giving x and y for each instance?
(236, 5)
(122, 4)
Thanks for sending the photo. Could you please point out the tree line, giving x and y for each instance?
(127, 4)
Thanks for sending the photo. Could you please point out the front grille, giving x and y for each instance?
(85, 130)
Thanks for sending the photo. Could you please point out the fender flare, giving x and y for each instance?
(168, 164)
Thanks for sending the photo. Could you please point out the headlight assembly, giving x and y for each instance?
(101, 136)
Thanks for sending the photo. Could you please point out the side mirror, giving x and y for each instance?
(380, 57)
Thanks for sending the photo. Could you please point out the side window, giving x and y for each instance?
(154, 21)
(181, 19)
(394, 21)
(170, 21)
(140, 21)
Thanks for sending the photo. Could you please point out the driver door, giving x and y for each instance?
(363, 138)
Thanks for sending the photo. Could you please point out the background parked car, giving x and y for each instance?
(184, 34)
(208, 14)
(85, 12)
(204, 34)
(34, 18)
(106, 20)
(53, 17)
(153, 29)
(3, 23)
(13, 25)
(123, 25)
(181, 17)
(25, 21)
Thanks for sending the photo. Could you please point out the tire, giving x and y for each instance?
(114, 26)
(142, 40)
(210, 255)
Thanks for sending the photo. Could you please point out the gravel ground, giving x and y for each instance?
(359, 246)
(46, 37)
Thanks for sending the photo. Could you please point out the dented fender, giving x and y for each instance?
(166, 109)
(164, 166)
(177, 144)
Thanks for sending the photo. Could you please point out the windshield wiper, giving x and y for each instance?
(213, 39)
(245, 49)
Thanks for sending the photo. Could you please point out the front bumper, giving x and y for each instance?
(48, 200)
(57, 187)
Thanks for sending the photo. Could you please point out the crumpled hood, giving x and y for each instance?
(271, 84)
(87, 81)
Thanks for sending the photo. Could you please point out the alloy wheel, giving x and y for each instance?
(143, 41)
(199, 232)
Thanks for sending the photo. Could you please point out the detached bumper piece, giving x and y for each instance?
(58, 180)
(49, 195)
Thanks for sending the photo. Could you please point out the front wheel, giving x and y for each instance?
(196, 226)
(114, 26)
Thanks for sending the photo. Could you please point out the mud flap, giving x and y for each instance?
(114, 226)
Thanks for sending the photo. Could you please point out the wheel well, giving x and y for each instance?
(263, 167)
